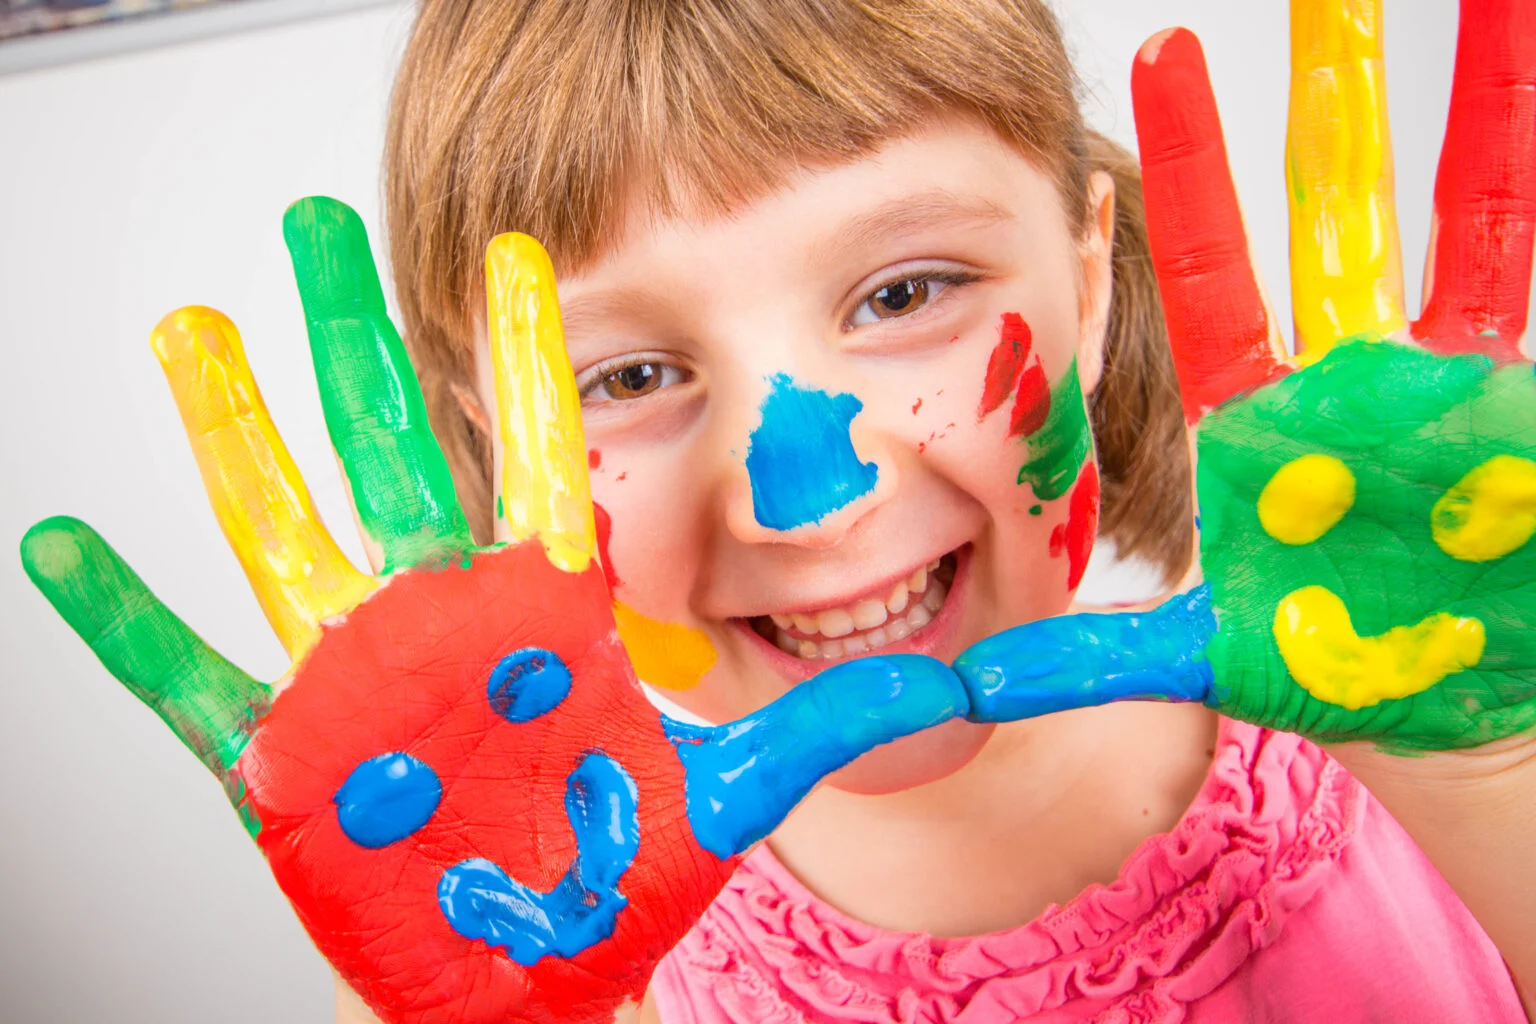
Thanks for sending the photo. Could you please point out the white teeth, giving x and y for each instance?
(934, 599)
(868, 613)
(834, 622)
(868, 624)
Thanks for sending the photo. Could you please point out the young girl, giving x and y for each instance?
(896, 212)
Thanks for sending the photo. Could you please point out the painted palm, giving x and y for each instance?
(1366, 506)
(459, 785)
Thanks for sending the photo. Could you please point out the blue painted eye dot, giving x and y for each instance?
(386, 798)
(528, 683)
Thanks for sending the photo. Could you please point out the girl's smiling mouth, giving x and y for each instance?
(905, 617)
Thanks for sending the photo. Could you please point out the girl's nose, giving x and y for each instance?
(810, 471)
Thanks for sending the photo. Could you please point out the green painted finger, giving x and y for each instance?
(209, 704)
(373, 406)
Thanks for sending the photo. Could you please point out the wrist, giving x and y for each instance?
(1473, 814)
(350, 1008)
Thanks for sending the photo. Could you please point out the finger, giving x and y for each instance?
(1084, 660)
(545, 491)
(1346, 265)
(398, 477)
(745, 777)
(209, 704)
(1219, 325)
(300, 576)
(1478, 272)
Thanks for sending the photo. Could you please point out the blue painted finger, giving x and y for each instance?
(744, 777)
(1078, 661)
(481, 901)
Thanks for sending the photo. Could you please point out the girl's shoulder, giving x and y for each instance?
(1284, 892)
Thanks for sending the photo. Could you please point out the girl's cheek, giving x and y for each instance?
(668, 654)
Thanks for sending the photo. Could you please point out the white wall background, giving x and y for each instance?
(135, 184)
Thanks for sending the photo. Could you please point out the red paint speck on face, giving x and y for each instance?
(594, 458)
(1005, 364)
(916, 406)
(621, 476)
(1075, 536)
(922, 446)
(1032, 403)
(604, 526)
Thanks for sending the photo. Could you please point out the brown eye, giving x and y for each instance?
(898, 298)
(633, 381)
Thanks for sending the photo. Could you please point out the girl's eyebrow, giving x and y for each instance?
(909, 215)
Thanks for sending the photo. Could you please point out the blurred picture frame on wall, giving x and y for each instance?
(42, 33)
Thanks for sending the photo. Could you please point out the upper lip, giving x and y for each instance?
(873, 590)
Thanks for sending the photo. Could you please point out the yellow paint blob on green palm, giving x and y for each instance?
(1306, 498)
(1489, 512)
(665, 654)
(1335, 664)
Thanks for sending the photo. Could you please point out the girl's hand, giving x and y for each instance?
(1366, 507)
(459, 785)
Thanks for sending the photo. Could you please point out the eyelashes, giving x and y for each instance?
(638, 375)
(906, 295)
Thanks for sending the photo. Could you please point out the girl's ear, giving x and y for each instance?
(1096, 250)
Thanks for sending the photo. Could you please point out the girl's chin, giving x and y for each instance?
(913, 761)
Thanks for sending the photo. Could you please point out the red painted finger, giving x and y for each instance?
(1478, 279)
(1218, 325)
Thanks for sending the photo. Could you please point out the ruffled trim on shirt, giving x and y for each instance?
(1189, 907)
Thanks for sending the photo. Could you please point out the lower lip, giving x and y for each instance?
(934, 640)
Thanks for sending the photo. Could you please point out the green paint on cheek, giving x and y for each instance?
(209, 704)
(1035, 510)
(1059, 448)
(1408, 425)
(374, 409)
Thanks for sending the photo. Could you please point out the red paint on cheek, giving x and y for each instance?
(916, 406)
(594, 458)
(604, 524)
(1005, 364)
(1075, 536)
(1032, 403)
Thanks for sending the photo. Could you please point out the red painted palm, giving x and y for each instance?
(460, 785)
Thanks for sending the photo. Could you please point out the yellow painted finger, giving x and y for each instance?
(1346, 263)
(300, 576)
(545, 491)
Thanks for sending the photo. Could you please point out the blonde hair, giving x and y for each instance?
(551, 117)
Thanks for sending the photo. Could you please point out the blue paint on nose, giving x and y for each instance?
(386, 798)
(800, 458)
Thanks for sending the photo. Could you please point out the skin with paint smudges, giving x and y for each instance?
(684, 359)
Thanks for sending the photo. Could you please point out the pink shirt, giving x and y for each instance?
(1286, 893)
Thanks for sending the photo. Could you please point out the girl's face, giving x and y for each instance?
(726, 365)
